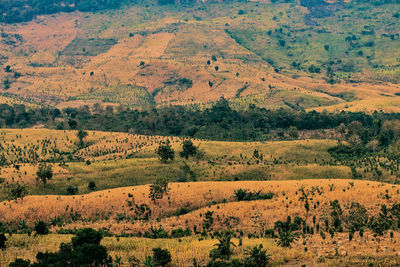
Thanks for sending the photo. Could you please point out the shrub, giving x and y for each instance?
(182, 211)
(314, 69)
(257, 257)
(270, 233)
(3, 240)
(72, 190)
(176, 233)
(286, 231)
(245, 195)
(286, 238)
(20, 263)
(161, 257)
(92, 185)
(223, 249)
(86, 236)
(17, 191)
(158, 189)
(142, 212)
(155, 233)
(41, 228)
(44, 173)
(208, 220)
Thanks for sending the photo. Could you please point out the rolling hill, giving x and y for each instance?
(269, 54)
(199, 133)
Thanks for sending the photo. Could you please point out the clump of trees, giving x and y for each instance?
(17, 191)
(246, 195)
(221, 254)
(84, 250)
(219, 122)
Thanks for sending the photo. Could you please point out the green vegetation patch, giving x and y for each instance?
(88, 47)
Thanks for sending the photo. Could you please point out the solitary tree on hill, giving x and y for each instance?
(188, 149)
(165, 152)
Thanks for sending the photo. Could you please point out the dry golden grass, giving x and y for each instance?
(109, 151)
(26, 173)
(183, 251)
(199, 196)
(36, 144)
(52, 33)
(25, 148)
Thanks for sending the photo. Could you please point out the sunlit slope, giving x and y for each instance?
(143, 56)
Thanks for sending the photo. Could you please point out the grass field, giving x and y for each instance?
(123, 165)
(321, 251)
(120, 159)
(272, 55)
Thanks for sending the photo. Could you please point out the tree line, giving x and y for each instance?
(219, 122)
(25, 10)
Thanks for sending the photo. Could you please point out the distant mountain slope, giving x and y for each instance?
(26, 10)
(273, 55)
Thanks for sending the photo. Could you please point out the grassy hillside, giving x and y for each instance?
(314, 185)
(272, 55)
(110, 210)
(118, 159)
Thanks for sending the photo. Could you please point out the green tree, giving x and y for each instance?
(336, 215)
(188, 149)
(84, 250)
(161, 257)
(286, 238)
(41, 228)
(165, 152)
(357, 217)
(257, 257)
(223, 249)
(7, 68)
(82, 134)
(44, 173)
(17, 191)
